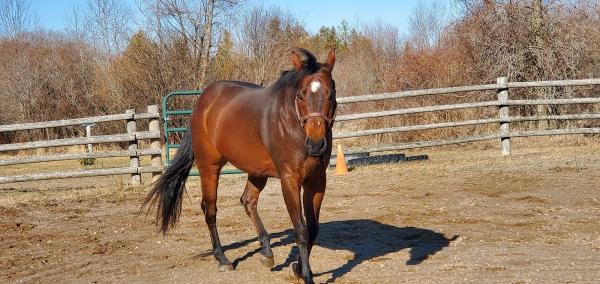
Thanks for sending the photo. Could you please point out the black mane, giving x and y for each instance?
(292, 77)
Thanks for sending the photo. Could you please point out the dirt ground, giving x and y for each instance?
(467, 215)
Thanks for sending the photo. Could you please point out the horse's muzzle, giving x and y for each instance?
(316, 148)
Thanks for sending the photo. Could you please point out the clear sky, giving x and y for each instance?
(317, 13)
(313, 13)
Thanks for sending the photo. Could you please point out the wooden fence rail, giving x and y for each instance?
(445, 142)
(78, 156)
(76, 122)
(398, 129)
(132, 137)
(376, 114)
(451, 90)
(503, 105)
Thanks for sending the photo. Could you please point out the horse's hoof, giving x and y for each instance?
(267, 261)
(225, 267)
(296, 270)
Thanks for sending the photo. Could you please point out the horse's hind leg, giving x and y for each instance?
(209, 175)
(250, 199)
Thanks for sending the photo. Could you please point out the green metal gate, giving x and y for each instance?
(168, 130)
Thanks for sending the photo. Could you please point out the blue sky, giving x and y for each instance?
(313, 13)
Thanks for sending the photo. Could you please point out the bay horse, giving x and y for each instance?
(282, 131)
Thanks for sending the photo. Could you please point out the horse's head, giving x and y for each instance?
(315, 100)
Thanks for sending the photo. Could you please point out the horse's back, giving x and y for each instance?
(226, 87)
(234, 83)
(222, 93)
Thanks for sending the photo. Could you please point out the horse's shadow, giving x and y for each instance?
(367, 239)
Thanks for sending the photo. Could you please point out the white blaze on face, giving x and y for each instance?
(315, 86)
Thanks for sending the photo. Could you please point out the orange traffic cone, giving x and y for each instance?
(340, 162)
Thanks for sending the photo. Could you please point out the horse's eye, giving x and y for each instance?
(299, 96)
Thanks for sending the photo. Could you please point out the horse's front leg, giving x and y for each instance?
(290, 186)
(314, 190)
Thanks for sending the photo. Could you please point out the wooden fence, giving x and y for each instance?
(132, 137)
(504, 134)
(503, 103)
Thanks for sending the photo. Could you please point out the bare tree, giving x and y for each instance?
(107, 24)
(264, 39)
(15, 17)
(75, 23)
(427, 22)
(196, 23)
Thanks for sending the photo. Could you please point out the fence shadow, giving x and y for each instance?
(367, 239)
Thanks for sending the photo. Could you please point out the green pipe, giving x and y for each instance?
(179, 112)
(177, 129)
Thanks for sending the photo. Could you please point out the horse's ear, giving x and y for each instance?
(330, 61)
(303, 59)
(297, 60)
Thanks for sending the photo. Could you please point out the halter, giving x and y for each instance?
(305, 117)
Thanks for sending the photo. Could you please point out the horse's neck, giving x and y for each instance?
(278, 99)
(283, 107)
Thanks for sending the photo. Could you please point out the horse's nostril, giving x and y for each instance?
(323, 146)
(316, 147)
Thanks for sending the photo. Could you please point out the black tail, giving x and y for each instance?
(168, 190)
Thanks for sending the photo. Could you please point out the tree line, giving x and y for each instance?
(111, 57)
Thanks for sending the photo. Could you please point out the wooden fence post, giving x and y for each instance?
(88, 134)
(134, 160)
(154, 126)
(504, 115)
